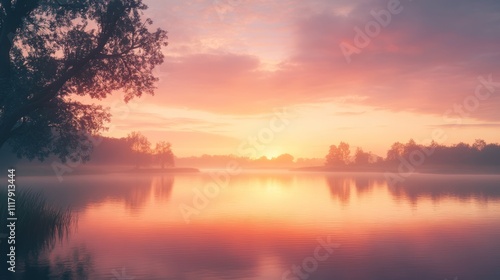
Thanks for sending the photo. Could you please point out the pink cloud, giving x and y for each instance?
(425, 60)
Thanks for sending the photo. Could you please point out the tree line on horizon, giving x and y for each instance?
(479, 153)
(136, 149)
(144, 154)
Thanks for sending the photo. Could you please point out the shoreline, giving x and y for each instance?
(445, 170)
(81, 171)
(160, 170)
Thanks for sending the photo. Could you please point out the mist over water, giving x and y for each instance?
(265, 223)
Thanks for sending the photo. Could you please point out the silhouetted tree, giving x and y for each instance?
(284, 159)
(52, 51)
(361, 157)
(338, 155)
(410, 147)
(164, 154)
(490, 155)
(263, 160)
(396, 151)
(460, 155)
(140, 147)
(376, 159)
(479, 144)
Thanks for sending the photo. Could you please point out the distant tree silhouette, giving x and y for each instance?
(490, 155)
(479, 144)
(164, 154)
(479, 153)
(361, 157)
(462, 155)
(338, 155)
(396, 151)
(410, 147)
(263, 160)
(140, 147)
(284, 159)
(51, 51)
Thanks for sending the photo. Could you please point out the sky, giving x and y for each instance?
(260, 77)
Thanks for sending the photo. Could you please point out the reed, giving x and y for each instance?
(39, 223)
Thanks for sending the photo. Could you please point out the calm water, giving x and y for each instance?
(272, 225)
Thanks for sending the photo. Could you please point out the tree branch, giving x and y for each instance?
(114, 12)
(7, 5)
(12, 22)
(67, 5)
(126, 66)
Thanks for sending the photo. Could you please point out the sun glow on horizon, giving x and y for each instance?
(273, 152)
(220, 84)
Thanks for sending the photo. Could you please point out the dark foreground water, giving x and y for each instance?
(270, 225)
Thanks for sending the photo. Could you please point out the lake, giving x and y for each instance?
(270, 225)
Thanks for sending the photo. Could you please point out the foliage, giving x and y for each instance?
(52, 52)
(140, 147)
(284, 159)
(338, 155)
(477, 154)
(138, 142)
(396, 150)
(361, 157)
(39, 223)
(164, 154)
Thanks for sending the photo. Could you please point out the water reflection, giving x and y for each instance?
(261, 225)
(162, 187)
(76, 264)
(419, 186)
(78, 192)
(340, 188)
(435, 187)
(340, 185)
(38, 228)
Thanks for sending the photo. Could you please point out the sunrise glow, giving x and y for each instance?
(225, 75)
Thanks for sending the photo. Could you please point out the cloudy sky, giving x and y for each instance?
(276, 76)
